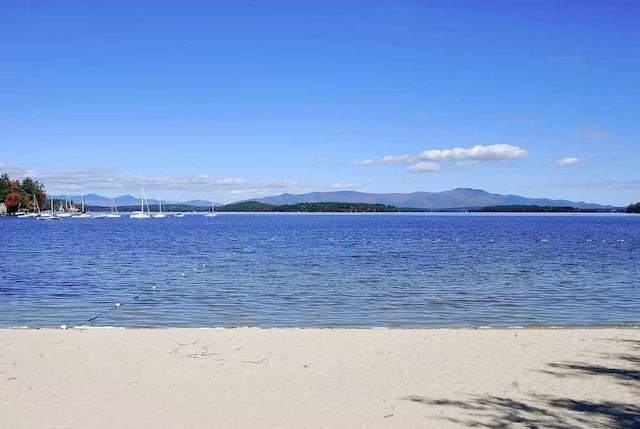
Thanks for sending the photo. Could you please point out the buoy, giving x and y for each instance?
(153, 288)
(118, 305)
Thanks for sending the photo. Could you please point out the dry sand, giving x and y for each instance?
(319, 378)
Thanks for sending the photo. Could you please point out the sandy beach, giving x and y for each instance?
(319, 378)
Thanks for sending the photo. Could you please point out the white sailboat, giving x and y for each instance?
(159, 214)
(83, 214)
(212, 213)
(66, 210)
(48, 215)
(141, 214)
(34, 213)
(114, 210)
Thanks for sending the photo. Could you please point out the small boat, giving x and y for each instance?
(48, 215)
(114, 210)
(83, 214)
(212, 213)
(142, 214)
(179, 215)
(22, 214)
(159, 214)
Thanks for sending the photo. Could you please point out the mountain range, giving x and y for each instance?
(127, 200)
(459, 198)
(454, 199)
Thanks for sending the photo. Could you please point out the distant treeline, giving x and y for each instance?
(329, 207)
(534, 209)
(335, 207)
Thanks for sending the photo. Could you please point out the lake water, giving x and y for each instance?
(322, 270)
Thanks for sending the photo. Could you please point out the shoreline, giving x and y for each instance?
(635, 325)
(315, 378)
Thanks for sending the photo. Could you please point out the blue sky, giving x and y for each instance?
(229, 100)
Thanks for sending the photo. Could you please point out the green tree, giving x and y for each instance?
(5, 186)
(633, 208)
(20, 195)
(27, 189)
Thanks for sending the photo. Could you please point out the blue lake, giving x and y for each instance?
(322, 270)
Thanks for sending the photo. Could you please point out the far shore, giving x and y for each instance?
(319, 378)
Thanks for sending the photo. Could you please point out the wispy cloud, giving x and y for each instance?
(323, 160)
(619, 185)
(468, 164)
(113, 183)
(495, 152)
(391, 159)
(344, 186)
(425, 167)
(592, 132)
(565, 162)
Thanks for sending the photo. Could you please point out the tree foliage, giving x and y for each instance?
(20, 195)
(328, 207)
(633, 208)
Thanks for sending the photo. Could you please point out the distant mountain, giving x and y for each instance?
(126, 200)
(454, 199)
(199, 203)
(460, 198)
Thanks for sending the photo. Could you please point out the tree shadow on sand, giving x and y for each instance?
(544, 411)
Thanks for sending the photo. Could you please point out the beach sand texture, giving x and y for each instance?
(319, 378)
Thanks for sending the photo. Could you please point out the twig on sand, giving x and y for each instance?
(181, 346)
(258, 362)
(188, 344)
(201, 355)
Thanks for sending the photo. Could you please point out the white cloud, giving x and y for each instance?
(391, 159)
(424, 167)
(344, 186)
(592, 132)
(231, 181)
(366, 162)
(495, 152)
(564, 162)
(468, 164)
(112, 183)
(323, 160)
(400, 159)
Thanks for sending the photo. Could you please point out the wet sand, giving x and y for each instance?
(319, 378)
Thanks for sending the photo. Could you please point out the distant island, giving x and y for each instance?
(338, 207)
(327, 207)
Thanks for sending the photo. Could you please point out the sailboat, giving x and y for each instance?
(114, 210)
(34, 213)
(66, 210)
(83, 214)
(159, 214)
(141, 214)
(48, 215)
(212, 213)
